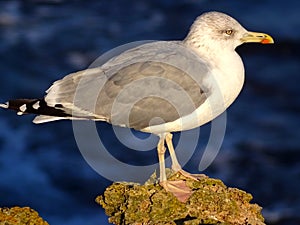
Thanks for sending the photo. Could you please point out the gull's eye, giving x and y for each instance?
(229, 32)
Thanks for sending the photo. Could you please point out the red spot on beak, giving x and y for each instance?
(266, 41)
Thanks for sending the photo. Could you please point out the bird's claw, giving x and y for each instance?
(195, 177)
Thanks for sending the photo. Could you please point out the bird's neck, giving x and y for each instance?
(227, 66)
(223, 57)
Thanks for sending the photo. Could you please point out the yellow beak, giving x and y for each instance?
(257, 37)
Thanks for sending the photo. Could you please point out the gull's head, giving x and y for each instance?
(218, 30)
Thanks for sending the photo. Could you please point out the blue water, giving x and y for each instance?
(41, 41)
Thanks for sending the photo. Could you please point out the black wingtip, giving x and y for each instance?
(33, 106)
(4, 105)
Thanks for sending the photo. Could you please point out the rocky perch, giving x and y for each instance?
(20, 216)
(211, 203)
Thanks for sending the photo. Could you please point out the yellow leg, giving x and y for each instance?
(161, 158)
(177, 187)
(175, 164)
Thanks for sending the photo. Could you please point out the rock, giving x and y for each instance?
(20, 216)
(211, 203)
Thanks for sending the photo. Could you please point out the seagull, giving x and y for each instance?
(156, 87)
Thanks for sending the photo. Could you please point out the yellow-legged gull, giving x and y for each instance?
(183, 83)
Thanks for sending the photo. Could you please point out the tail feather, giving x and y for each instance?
(34, 106)
(45, 119)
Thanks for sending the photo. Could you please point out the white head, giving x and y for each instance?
(221, 31)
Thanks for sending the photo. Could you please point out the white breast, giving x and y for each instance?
(226, 82)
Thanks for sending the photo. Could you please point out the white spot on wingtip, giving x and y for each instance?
(5, 106)
(23, 108)
(36, 105)
(19, 113)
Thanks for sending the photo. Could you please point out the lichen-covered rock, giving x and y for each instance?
(211, 203)
(20, 216)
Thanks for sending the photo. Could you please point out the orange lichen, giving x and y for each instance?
(20, 216)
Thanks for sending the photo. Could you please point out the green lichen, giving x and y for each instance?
(211, 203)
(20, 216)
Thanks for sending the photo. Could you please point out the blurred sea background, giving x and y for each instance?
(43, 40)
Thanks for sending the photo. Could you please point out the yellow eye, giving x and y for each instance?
(228, 32)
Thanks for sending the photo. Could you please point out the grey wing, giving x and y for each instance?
(149, 93)
(148, 85)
